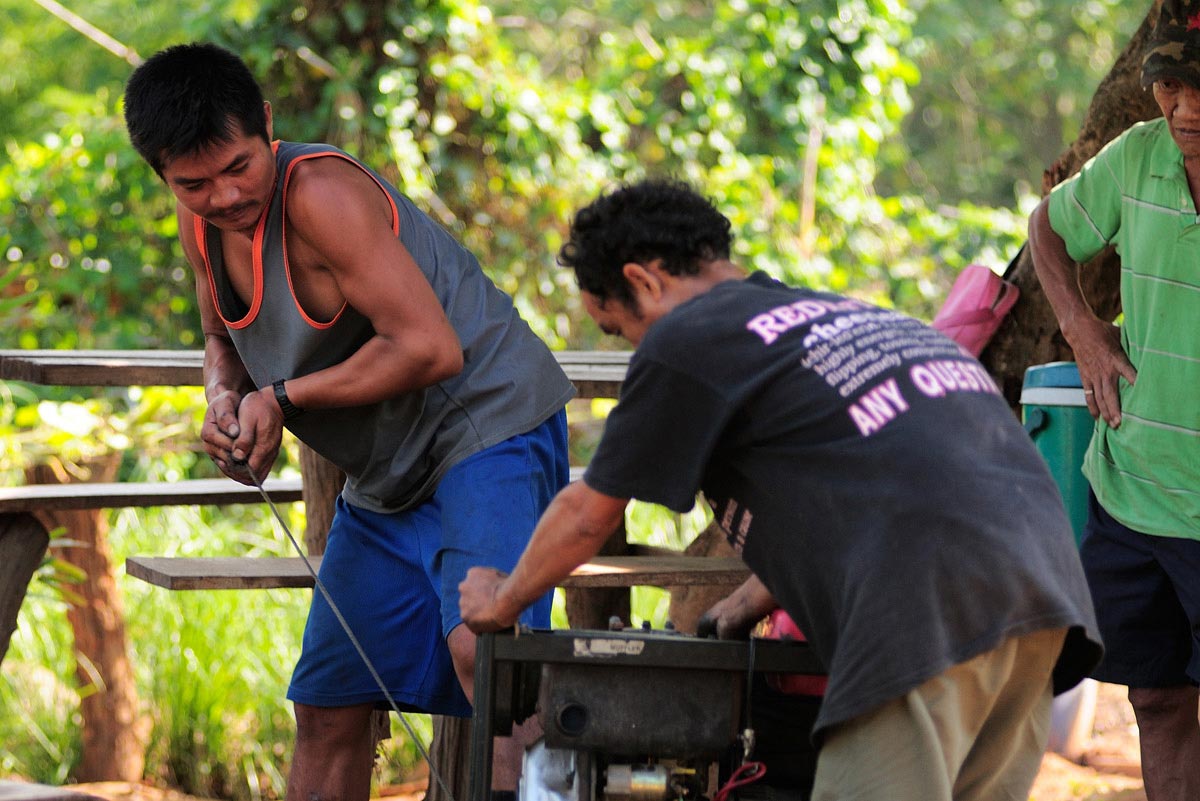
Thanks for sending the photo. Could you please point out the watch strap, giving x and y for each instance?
(290, 410)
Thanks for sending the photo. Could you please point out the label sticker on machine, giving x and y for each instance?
(601, 647)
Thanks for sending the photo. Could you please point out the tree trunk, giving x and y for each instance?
(114, 734)
(1030, 335)
(448, 752)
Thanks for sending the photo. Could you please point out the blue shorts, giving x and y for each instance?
(1146, 591)
(395, 577)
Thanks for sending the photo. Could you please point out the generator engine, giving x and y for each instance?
(641, 715)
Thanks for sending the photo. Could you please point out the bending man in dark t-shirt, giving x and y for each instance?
(870, 475)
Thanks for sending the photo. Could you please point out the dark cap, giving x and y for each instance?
(1174, 48)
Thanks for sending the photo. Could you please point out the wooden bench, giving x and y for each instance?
(28, 791)
(644, 565)
(262, 572)
(596, 374)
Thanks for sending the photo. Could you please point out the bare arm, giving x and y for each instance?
(1095, 343)
(733, 617)
(571, 531)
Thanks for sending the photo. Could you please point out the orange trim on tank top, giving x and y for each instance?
(200, 225)
(287, 268)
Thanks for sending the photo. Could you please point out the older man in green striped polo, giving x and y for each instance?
(1141, 547)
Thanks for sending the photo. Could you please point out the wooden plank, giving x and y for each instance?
(255, 573)
(222, 572)
(596, 374)
(111, 368)
(28, 791)
(658, 571)
(116, 495)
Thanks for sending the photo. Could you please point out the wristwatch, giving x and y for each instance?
(290, 410)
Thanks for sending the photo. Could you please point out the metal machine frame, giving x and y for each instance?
(508, 669)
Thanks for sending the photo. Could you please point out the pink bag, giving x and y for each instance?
(975, 307)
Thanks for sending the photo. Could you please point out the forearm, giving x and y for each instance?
(382, 368)
(571, 531)
(223, 368)
(754, 599)
(734, 616)
(1095, 343)
(1058, 274)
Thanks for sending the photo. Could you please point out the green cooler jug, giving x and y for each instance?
(1056, 416)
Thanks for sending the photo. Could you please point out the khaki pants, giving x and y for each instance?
(976, 732)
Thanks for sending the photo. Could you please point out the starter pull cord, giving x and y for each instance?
(320, 585)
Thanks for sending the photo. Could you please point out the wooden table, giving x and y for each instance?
(596, 374)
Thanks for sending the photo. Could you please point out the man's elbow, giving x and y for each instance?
(428, 357)
(1039, 222)
(447, 361)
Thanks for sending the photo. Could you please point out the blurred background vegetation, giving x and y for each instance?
(874, 147)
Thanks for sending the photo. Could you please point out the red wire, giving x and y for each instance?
(753, 770)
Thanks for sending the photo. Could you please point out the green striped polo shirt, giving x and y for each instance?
(1134, 195)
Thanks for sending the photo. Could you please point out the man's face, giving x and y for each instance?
(1180, 104)
(616, 318)
(229, 184)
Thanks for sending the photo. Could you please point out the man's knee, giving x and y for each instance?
(1163, 702)
(461, 643)
(329, 727)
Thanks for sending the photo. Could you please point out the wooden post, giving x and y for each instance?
(592, 608)
(23, 543)
(688, 604)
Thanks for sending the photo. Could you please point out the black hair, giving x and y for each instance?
(188, 97)
(656, 218)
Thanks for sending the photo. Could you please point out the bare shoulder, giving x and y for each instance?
(334, 191)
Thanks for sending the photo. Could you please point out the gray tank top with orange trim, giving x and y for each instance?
(393, 452)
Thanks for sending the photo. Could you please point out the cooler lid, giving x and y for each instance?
(1053, 374)
(1053, 384)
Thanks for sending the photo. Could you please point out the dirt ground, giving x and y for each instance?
(1108, 770)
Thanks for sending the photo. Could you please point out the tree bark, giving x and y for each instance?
(114, 733)
(448, 752)
(1030, 335)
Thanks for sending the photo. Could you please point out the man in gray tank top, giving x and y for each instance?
(333, 307)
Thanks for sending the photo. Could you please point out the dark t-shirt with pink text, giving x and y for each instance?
(867, 470)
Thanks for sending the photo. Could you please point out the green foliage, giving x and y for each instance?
(216, 666)
(1003, 90)
(40, 729)
(94, 245)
